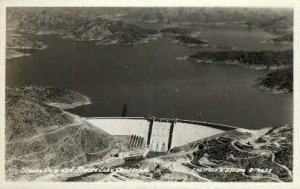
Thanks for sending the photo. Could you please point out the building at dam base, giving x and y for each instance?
(161, 135)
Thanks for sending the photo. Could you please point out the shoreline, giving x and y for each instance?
(146, 38)
(19, 43)
(17, 56)
(28, 48)
(257, 84)
(272, 90)
(230, 62)
(65, 106)
(276, 42)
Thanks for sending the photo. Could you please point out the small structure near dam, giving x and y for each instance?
(161, 135)
(135, 142)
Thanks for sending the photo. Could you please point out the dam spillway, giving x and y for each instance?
(160, 135)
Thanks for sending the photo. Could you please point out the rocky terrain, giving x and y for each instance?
(40, 134)
(69, 24)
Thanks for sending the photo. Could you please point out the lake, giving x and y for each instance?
(151, 81)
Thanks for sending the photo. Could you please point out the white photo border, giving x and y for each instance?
(293, 4)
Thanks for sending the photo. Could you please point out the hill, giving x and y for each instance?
(68, 23)
(105, 23)
(254, 59)
(279, 80)
(22, 43)
(268, 19)
(40, 136)
(15, 44)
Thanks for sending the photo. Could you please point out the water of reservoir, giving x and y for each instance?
(149, 79)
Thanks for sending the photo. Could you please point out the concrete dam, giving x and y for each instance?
(161, 135)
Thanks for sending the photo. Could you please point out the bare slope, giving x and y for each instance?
(39, 135)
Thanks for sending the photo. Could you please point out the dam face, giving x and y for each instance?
(185, 133)
(161, 136)
(121, 126)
